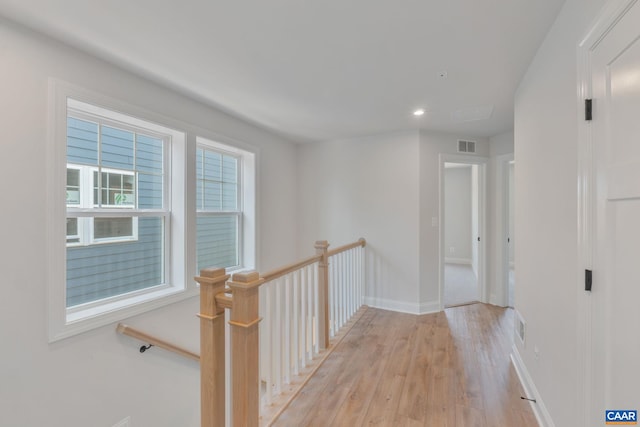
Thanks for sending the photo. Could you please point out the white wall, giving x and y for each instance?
(98, 378)
(384, 188)
(457, 209)
(547, 281)
(366, 187)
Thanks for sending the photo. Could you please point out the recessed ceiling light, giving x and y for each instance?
(418, 112)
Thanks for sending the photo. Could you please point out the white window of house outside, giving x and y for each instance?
(117, 235)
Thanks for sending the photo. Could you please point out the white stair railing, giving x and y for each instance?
(295, 332)
(346, 285)
(289, 330)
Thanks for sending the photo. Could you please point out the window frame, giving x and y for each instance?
(64, 322)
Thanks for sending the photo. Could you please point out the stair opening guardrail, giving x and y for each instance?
(303, 305)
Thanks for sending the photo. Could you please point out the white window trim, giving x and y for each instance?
(179, 284)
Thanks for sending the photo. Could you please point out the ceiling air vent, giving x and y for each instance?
(466, 146)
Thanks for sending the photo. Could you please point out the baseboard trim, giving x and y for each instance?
(429, 307)
(403, 306)
(539, 408)
(464, 261)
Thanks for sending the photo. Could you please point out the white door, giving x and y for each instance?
(615, 84)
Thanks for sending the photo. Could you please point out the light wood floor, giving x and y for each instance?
(438, 370)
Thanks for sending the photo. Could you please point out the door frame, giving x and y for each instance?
(587, 361)
(482, 163)
(501, 232)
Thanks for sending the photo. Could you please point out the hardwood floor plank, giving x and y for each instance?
(449, 369)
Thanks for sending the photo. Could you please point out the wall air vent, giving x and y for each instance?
(466, 146)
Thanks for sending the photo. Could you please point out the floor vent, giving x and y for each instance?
(466, 146)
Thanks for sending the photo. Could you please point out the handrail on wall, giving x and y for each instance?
(156, 342)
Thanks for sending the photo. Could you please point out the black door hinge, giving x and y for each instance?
(588, 109)
(587, 280)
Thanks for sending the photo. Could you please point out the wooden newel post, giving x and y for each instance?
(212, 281)
(323, 293)
(245, 348)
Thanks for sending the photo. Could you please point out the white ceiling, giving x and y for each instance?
(316, 70)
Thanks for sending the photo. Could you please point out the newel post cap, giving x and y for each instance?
(245, 280)
(212, 276)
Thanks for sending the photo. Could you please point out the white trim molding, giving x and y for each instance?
(403, 306)
(539, 408)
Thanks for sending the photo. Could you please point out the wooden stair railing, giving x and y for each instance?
(241, 296)
(156, 342)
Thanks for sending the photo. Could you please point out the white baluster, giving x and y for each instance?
(277, 342)
(268, 325)
(343, 291)
(295, 348)
(286, 342)
(349, 283)
(305, 321)
(317, 321)
(352, 271)
(334, 294)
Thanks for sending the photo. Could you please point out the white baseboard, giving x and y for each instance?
(539, 408)
(403, 306)
(493, 300)
(464, 261)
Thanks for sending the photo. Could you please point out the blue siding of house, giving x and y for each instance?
(82, 142)
(216, 241)
(100, 271)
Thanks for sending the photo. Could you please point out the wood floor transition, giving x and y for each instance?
(438, 370)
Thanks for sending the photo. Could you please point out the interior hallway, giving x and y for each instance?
(446, 369)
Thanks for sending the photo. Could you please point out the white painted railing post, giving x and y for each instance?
(323, 293)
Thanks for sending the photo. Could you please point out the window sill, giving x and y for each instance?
(82, 320)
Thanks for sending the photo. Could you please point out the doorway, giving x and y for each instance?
(609, 197)
(510, 263)
(462, 246)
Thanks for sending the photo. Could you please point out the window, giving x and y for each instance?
(116, 217)
(89, 188)
(127, 231)
(225, 205)
(219, 220)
